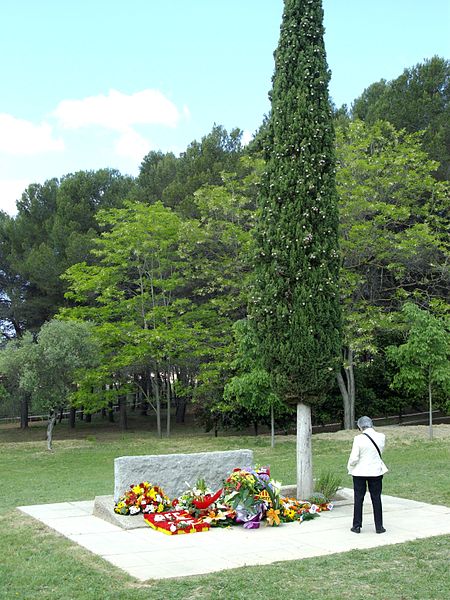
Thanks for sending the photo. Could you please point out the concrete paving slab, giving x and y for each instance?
(61, 510)
(148, 554)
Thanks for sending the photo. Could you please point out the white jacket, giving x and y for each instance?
(364, 460)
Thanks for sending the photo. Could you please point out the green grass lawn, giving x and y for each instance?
(38, 563)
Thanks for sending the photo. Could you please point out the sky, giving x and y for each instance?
(89, 84)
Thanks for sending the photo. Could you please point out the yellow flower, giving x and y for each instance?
(273, 517)
(137, 489)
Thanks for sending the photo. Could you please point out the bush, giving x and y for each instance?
(328, 484)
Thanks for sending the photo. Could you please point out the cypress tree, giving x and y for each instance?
(295, 300)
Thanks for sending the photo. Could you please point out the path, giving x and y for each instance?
(148, 554)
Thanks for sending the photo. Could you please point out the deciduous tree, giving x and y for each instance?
(394, 240)
(423, 360)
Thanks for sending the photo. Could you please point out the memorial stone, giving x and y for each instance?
(176, 472)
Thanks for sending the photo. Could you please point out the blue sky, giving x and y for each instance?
(87, 84)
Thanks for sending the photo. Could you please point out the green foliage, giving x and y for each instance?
(393, 226)
(53, 229)
(251, 387)
(163, 291)
(295, 300)
(173, 181)
(130, 295)
(15, 357)
(49, 368)
(328, 484)
(423, 360)
(417, 100)
(218, 273)
(317, 498)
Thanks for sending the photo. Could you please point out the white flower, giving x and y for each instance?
(276, 485)
(173, 528)
(134, 510)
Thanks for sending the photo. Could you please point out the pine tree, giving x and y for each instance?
(295, 301)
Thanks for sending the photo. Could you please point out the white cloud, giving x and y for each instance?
(132, 145)
(186, 111)
(118, 111)
(10, 191)
(20, 137)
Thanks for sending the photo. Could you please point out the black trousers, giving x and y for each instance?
(375, 485)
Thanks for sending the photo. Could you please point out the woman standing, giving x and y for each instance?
(367, 468)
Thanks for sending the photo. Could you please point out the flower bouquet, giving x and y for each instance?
(292, 510)
(145, 498)
(254, 496)
(200, 502)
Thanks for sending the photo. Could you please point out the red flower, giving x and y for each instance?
(208, 500)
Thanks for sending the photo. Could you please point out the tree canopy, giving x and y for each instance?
(417, 100)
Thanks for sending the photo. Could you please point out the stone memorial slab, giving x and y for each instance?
(175, 472)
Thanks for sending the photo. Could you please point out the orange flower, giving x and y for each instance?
(273, 517)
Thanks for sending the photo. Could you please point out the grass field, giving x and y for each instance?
(38, 563)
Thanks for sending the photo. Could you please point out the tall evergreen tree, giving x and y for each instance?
(295, 302)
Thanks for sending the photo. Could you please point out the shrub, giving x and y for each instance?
(328, 484)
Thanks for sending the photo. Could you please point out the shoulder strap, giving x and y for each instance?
(373, 442)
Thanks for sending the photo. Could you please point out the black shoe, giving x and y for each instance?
(356, 529)
(381, 530)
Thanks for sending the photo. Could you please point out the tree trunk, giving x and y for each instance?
(155, 385)
(304, 452)
(181, 402)
(168, 398)
(347, 389)
(88, 417)
(143, 400)
(24, 412)
(110, 412)
(430, 401)
(72, 417)
(123, 417)
(180, 410)
(272, 428)
(50, 426)
(255, 428)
